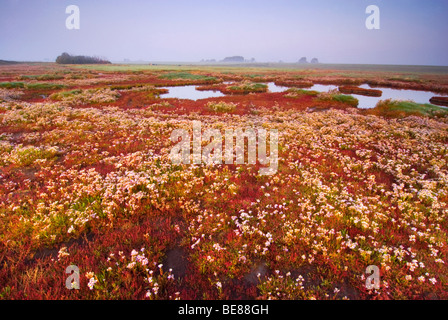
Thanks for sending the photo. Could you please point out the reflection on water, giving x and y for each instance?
(190, 92)
(272, 87)
(396, 94)
(322, 87)
(366, 102)
(370, 102)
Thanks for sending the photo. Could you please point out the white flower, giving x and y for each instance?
(218, 285)
(142, 259)
(63, 253)
(433, 280)
(155, 289)
(91, 283)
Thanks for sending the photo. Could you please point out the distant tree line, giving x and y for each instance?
(65, 58)
(3, 62)
(237, 59)
(303, 60)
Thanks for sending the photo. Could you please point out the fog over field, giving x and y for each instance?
(411, 32)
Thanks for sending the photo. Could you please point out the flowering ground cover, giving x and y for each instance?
(87, 180)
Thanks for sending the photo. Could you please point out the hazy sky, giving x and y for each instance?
(334, 31)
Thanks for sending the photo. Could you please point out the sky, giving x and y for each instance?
(412, 32)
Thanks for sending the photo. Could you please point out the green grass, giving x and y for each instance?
(323, 96)
(10, 85)
(32, 86)
(334, 96)
(185, 76)
(250, 87)
(402, 108)
(27, 155)
(346, 99)
(63, 94)
(77, 76)
(126, 86)
(409, 78)
(252, 76)
(302, 91)
(270, 67)
(221, 106)
(44, 86)
(41, 77)
(125, 68)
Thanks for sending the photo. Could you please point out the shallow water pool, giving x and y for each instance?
(396, 94)
(366, 102)
(190, 92)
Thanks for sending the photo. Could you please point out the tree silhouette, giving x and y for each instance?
(65, 58)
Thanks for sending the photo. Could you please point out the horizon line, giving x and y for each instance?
(171, 62)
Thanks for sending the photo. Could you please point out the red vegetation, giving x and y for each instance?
(294, 83)
(441, 101)
(360, 91)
